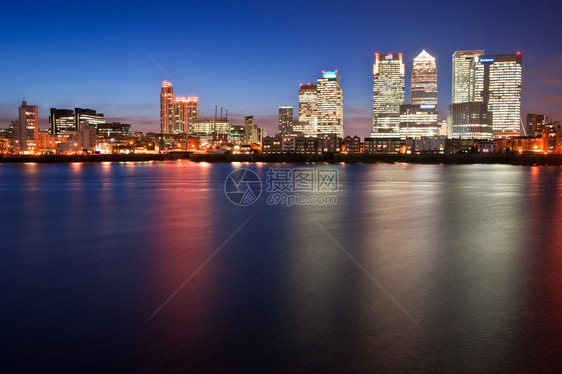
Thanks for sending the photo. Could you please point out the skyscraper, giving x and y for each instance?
(285, 120)
(463, 75)
(423, 84)
(497, 83)
(62, 121)
(388, 94)
(330, 104)
(187, 110)
(26, 131)
(308, 108)
(167, 109)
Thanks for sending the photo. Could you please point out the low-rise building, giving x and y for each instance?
(352, 144)
(382, 145)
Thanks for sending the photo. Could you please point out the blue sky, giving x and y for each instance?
(251, 56)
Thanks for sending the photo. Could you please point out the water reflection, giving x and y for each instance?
(472, 252)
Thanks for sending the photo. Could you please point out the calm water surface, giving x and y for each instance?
(417, 268)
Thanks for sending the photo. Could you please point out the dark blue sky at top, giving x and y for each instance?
(251, 56)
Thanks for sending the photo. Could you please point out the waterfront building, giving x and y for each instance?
(329, 143)
(187, 110)
(352, 144)
(471, 120)
(26, 130)
(238, 135)
(254, 134)
(388, 94)
(423, 83)
(382, 145)
(87, 117)
(418, 120)
(497, 83)
(205, 126)
(330, 104)
(86, 137)
(272, 144)
(535, 123)
(112, 130)
(285, 120)
(62, 121)
(308, 108)
(167, 109)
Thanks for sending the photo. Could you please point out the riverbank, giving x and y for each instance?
(96, 158)
(512, 159)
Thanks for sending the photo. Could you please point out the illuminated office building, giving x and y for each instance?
(210, 126)
(418, 120)
(87, 117)
(388, 94)
(470, 120)
(536, 123)
(463, 75)
(114, 130)
(26, 131)
(423, 83)
(167, 109)
(62, 121)
(497, 83)
(330, 104)
(254, 134)
(285, 120)
(308, 108)
(187, 110)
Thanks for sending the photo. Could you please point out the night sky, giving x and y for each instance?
(250, 57)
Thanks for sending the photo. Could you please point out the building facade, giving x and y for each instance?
(423, 83)
(418, 120)
(308, 108)
(330, 104)
(26, 131)
(209, 126)
(87, 117)
(62, 121)
(471, 120)
(187, 110)
(167, 108)
(285, 120)
(497, 83)
(535, 124)
(388, 94)
(463, 75)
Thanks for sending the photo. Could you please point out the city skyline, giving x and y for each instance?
(121, 79)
